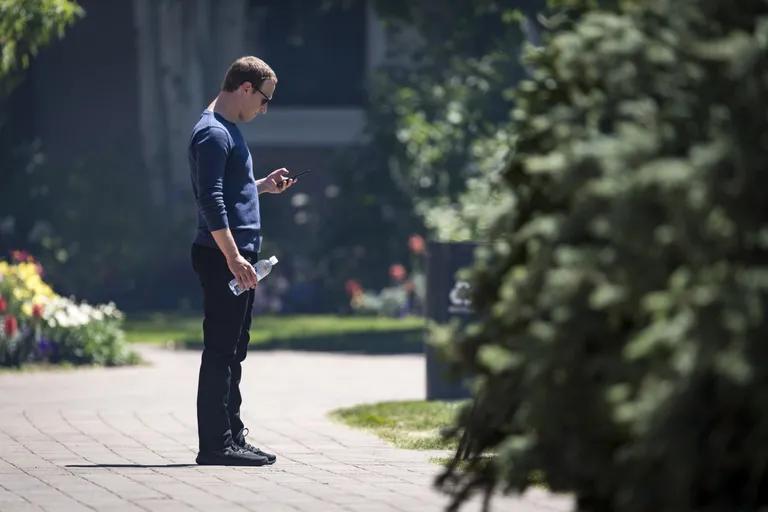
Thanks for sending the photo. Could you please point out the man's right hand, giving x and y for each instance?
(243, 272)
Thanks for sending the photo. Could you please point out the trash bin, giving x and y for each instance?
(447, 298)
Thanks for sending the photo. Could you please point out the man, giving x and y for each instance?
(226, 245)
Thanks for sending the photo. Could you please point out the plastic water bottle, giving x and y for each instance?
(262, 267)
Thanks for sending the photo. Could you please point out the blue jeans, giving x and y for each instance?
(226, 326)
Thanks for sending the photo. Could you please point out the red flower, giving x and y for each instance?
(416, 244)
(397, 272)
(37, 311)
(3, 305)
(353, 288)
(21, 256)
(11, 326)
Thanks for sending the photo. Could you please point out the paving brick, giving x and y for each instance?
(125, 439)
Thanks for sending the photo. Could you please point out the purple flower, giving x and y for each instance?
(44, 346)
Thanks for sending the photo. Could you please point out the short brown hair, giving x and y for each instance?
(247, 69)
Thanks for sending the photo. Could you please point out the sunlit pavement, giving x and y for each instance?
(125, 439)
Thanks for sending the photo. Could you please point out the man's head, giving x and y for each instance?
(251, 83)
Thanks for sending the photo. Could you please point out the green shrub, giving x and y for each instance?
(621, 303)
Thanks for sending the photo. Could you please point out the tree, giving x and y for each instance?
(25, 27)
(45, 207)
(443, 105)
(434, 136)
(622, 298)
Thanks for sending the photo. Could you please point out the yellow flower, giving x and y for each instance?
(44, 291)
(27, 270)
(25, 285)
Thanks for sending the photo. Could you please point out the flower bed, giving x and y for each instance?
(36, 324)
(406, 294)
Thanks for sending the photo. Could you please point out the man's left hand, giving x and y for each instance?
(276, 182)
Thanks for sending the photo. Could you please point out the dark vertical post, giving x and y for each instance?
(447, 298)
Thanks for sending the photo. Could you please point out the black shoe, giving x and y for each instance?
(240, 441)
(230, 456)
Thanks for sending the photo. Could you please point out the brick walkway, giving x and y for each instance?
(125, 439)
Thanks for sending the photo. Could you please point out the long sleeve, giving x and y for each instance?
(221, 172)
(211, 149)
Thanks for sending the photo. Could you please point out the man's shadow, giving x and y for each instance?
(130, 465)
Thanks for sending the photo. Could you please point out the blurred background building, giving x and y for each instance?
(136, 75)
(371, 97)
(118, 96)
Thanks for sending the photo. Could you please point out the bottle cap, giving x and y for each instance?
(273, 260)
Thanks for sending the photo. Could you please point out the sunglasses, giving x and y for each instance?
(266, 99)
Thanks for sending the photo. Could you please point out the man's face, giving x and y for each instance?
(256, 101)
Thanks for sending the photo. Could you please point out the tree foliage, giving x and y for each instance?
(443, 106)
(25, 27)
(622, 299)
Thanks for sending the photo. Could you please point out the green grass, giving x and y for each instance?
(301, 332)
(411, 424)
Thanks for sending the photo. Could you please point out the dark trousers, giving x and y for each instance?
(226, 326)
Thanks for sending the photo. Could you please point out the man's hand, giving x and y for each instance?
(276, 182)
(243, 272)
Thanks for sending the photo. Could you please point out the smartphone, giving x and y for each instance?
(285, 179)
(300, 173)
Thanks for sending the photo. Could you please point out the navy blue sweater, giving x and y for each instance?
(223, 183)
